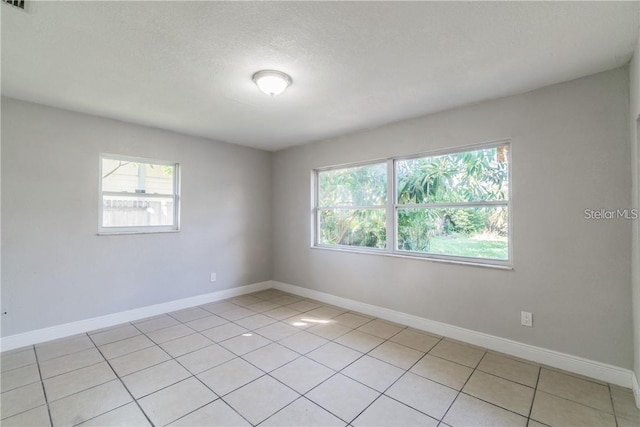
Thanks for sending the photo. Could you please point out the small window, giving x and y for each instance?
(138, 195)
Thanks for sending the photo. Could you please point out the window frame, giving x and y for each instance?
(392, 209)
(317, 208)
(140, 229)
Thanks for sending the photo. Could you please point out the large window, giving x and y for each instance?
(452, 205)
(138, 195)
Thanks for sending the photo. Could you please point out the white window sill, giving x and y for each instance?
(120, 232)
(470, 262)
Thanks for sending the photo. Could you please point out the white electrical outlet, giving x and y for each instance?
(212, 278)
(526, 319)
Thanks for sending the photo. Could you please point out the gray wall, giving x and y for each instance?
(570, 152)
(634, 75)
(55, 269)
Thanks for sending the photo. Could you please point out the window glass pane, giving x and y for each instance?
(136, 177)
(353, 227)
(453, 178)
(132, 211)
(357, 186)
(480, 232)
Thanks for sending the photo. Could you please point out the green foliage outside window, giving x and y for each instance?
(357, 197)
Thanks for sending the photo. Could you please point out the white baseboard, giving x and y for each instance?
(60, 331)
(636, 389)
(597, 370)
(600, 371)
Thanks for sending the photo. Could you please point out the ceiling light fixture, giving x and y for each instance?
(271, 82)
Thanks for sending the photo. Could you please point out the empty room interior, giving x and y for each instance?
(320, 213)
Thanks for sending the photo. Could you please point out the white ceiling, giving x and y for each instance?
(187, 66)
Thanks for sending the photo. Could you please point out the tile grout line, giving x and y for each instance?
(62, 355)
(501, 377)
(558, 396)
(265, 373)
(575, 402)
(23, 385)
(301, 395)
(613, 406)
(459, 392)
(123, 385)
(360, 357)
(493, 403)
(73, 370)
(396, 380)
(44, 390)
(367, 354)
(218, 397)
(316, 403)
(78, 392)
(409, 371)
(535, 392)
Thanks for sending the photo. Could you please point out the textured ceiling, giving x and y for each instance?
(187, 66)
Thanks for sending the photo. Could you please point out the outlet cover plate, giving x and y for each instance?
(526, 319)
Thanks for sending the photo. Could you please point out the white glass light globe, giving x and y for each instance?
(271, 82)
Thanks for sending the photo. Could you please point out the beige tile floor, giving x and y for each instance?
(274, 359)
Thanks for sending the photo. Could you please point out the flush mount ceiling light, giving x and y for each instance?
(271, 82)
